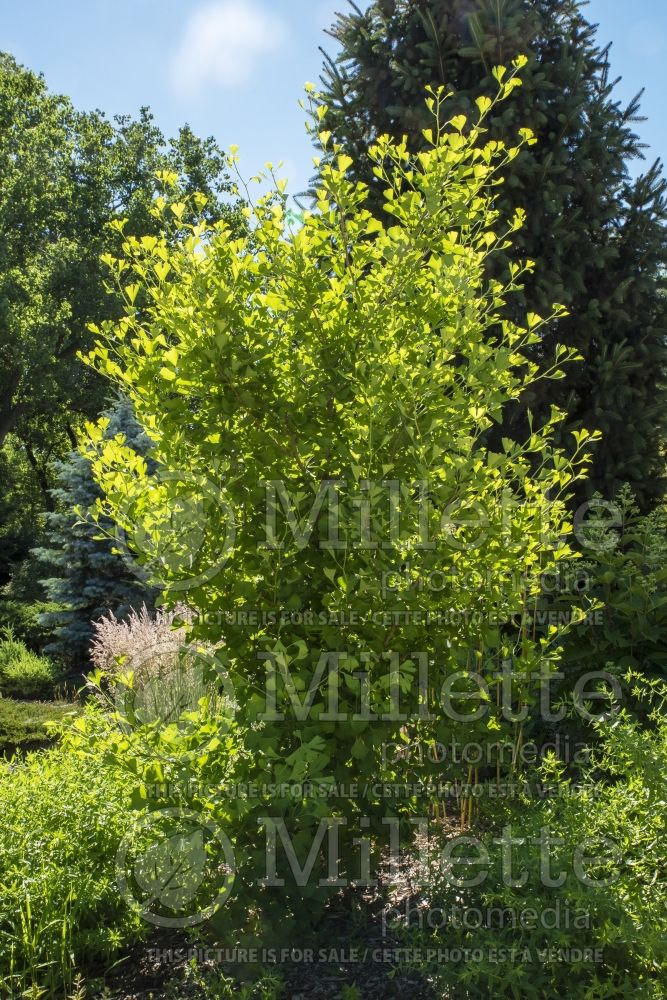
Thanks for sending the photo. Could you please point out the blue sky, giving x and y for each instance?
(235, 69)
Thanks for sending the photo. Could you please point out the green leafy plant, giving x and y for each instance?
(624, 568)
(217, 986)
(59, 905)
(570, 896)
(319, 402)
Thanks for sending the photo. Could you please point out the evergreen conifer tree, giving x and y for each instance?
(597, 234)
(89, 579)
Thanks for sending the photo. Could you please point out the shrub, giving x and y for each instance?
(169, 769)
(519, 892)
(319, 404)
(24, 674)
(624, 569)
(10, 649)
(31, 676)
(596, 226)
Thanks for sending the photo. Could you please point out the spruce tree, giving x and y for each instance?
(89, 578)
(597, 234)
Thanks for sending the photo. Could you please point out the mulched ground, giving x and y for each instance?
(343, 954)
(360, 949)
(141, 977)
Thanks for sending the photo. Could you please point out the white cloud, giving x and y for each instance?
(222, 45)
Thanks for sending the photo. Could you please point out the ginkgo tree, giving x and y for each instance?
(318, 400)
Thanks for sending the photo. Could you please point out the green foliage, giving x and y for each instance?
(89, 576)
(25, 724)
(615, 812)
(350, 357)
(181, 761)
(212, 985)
(624, 570)
(64, 177)
(24, 674)
(59, 904)
(26, 621)
(29, 676)
(596, 233)
(10, 649)
(21, 508)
